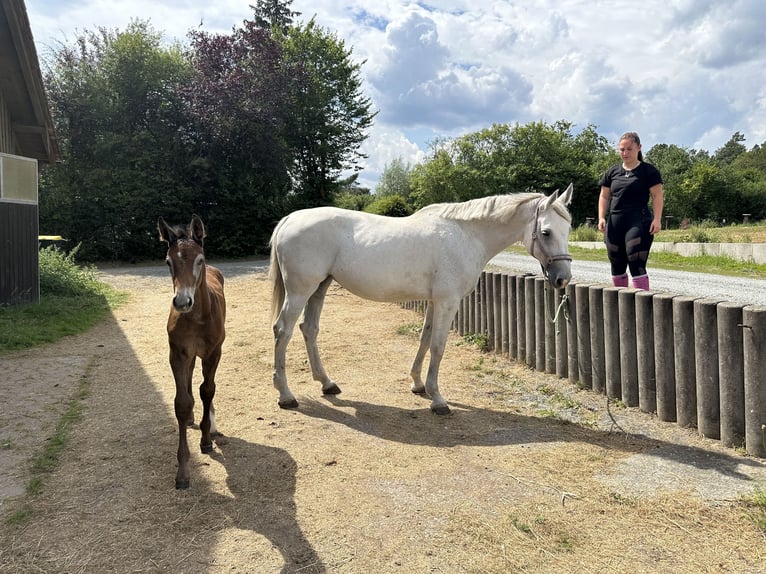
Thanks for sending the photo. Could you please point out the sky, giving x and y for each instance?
(683, 72)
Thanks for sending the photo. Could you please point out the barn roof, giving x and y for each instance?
(21, 86)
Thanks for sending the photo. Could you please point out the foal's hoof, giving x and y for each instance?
(416, 391)
(331, 390)
(182, 484)
(293, 404)
(441, 410)
(206, 448)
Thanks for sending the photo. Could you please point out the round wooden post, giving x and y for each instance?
(529, 320)
(754, 337)
(583, 336)
(572, 362)
(503, 284)
(549, 308)
(540, 360)
(706, 367)
(612, 343)
(561, 312)
(489, 310)
(513, 333)
(731, 374)
(664, 356)
(686, 373)
(626, 305)
(597, 351)
(521, 319)
(647, 389)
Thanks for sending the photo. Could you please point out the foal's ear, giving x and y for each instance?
(197, 229)
(166, 233)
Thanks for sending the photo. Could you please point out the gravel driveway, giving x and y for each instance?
(733, 289)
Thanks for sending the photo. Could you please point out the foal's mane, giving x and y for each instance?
(183, 233)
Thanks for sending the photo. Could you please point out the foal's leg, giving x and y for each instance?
(310, 330)
(206, 393)
(425, 341)
(182, 365)
(443, 314)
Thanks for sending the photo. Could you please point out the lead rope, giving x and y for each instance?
(563, 307)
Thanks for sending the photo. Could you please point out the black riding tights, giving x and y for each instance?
(628, 241)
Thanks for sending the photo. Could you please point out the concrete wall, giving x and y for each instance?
(754, 252)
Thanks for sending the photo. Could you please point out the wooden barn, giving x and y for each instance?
(27, 141)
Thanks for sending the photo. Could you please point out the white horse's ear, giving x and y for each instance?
(566, 197)
(549, 200)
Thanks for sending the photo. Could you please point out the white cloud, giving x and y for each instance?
(684, 72)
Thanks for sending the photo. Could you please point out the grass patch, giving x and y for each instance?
(480, 341)
(49, 458)
(410, 329)
(72, 300)
(756, 504)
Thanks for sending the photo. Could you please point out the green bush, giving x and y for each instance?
(61, 276)
(390, 205)
(586, 233)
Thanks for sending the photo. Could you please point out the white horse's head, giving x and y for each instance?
(548, 240)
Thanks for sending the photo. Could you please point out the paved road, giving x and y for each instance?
(734, 289)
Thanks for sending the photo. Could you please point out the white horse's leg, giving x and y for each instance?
(283, 332)
(425, 341)
(310, 330)
(444, 312)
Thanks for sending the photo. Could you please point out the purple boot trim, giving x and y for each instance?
(620, 280)
(641, 282)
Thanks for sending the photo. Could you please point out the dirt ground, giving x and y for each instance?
(527, 475)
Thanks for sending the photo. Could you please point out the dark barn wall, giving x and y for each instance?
(19, 262)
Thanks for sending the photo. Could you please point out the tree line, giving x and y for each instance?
(242, 128)
(239, 128)
(538, 156)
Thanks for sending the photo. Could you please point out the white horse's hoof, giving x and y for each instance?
(418, 390)
(441, 409)
(290, 404)
(333, 389)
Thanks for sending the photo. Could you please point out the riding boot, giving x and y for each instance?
(641, 282)
(620, 280)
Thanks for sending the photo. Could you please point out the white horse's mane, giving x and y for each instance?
(490, 207)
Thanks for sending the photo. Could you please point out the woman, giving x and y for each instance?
(629, 230)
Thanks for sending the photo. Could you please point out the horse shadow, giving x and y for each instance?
(261, 480)
(472, 426)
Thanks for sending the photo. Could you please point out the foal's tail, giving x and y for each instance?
(275, 276)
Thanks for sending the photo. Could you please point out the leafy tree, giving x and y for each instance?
(731, 150)
(274, 14)
(432, 180)
(238, 101)
(395, 179)
(674, 163)
(118, 118)
(329, 114)
(505, 159)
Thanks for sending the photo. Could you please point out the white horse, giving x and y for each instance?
(436, 254)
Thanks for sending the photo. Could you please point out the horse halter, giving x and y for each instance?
(548, 259)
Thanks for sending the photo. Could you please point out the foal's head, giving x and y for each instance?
(185, 259)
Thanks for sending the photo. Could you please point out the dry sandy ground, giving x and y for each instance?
(527, 475)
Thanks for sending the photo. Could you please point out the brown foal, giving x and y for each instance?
(195, 329)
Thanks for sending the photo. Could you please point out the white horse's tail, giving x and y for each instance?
(275, 276)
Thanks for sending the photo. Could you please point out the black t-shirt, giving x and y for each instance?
(630, 188)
